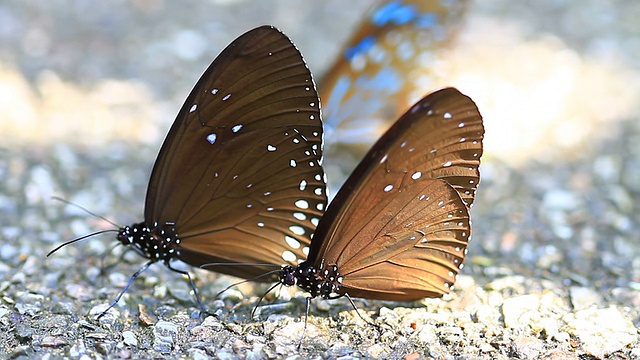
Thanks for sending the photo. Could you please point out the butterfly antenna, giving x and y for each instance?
(244, 281)
(239, 264)
(84, 209)
(253, 312)
(79, 239)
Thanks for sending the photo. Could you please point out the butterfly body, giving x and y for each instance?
(154, 243)
(319, 281)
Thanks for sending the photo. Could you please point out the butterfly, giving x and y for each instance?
(389, 63)
(398, 229)
(238, 179)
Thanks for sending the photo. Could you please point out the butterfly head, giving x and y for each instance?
(324, 281)
(154, 243)
(287, 275)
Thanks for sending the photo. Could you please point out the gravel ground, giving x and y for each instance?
(88, 90)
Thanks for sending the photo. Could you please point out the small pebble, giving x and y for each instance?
(584, 297)
(129, 338)
(521, 311)
(165, 334)
(144, 316)
(52, 341)
(602, 331)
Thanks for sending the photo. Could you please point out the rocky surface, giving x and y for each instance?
(554, 266)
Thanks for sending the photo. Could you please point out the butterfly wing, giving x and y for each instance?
(417, 249)
(239, 172)
(402, 219)
(386, 66)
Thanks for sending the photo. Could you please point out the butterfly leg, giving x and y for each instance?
(306, 318)
(105, 267)
(131, 279)
(356, 309)
(193, 286)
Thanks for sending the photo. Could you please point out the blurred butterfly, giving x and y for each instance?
(385, 67)
(238, 180)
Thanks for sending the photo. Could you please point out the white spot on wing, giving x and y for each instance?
(302, 204)
(292, 242)
(300, 216)
(288, 256)
(303, 185)
(271, 148)
(416, 175)
(236, 128)
(211, 138)
(388, 188)
(194, 107)
(298, 230)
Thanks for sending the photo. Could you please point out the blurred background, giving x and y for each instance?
(88, 90)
